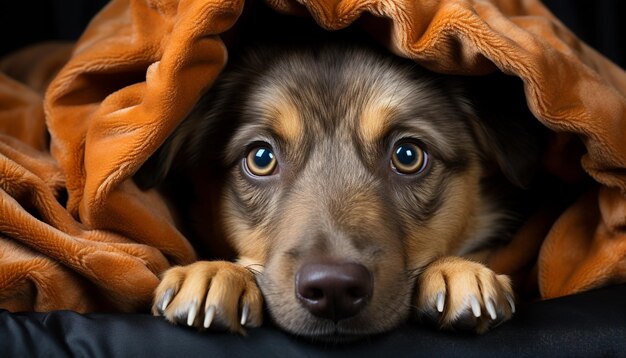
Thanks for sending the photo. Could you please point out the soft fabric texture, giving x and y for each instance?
(77, 233)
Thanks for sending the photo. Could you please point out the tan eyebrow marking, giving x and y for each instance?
(285, 120)
(374, 120)
(385, 99)
(281, 113)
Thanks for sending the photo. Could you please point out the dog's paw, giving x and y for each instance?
(208, 294)
(459, 294)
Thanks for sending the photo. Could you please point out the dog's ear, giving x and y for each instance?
(508, 133)
(154, 171)
(197, 141)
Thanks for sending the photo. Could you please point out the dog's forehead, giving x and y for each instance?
(353, 100)
(302, 96)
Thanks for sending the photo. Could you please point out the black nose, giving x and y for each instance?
(333, 290)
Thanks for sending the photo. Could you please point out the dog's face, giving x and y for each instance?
(356, 169)
(347, 172)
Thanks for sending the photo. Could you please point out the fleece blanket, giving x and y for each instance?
(77, 233)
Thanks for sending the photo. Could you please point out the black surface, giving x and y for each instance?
(591, 324)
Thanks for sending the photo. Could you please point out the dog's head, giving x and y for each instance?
(346, 173)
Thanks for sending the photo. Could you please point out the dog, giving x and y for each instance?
(356, 189)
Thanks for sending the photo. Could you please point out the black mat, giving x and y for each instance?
(591, 324)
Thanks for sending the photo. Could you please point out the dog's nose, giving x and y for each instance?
(333, 290)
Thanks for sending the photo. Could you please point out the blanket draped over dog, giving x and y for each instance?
(77, 233)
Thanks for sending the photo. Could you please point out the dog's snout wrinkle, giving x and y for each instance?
(334, 291)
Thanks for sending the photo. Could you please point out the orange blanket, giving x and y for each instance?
(76, 233)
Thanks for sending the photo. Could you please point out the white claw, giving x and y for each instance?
(475, 306)
(245, 312)
(491, 309)
(191, 316)
(441, 298)
(208, 316)
(511, 303)
(166, 300)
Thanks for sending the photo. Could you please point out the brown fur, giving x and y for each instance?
(332, 116)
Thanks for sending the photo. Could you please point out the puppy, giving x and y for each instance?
(353, 187)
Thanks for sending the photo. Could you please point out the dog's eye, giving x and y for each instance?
(261, 161)
(408, 158)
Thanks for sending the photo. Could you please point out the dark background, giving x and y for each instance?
(600, 23)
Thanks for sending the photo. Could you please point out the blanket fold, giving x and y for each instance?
(77, 233)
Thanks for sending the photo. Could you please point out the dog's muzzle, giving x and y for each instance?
(332, 290)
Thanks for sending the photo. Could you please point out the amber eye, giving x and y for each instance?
(261, 160)
(408, 158)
